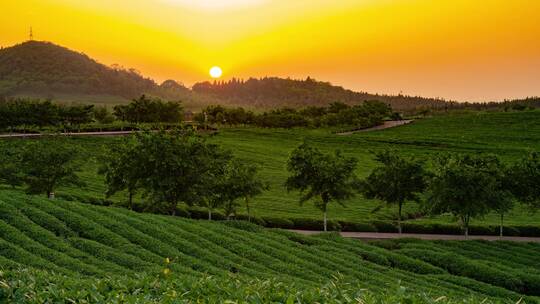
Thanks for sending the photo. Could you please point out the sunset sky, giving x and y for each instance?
(457, 49)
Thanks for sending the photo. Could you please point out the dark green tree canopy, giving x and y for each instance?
(176, 164)
(149, 110)
(121, 166)
(464, 186)
(10, 162)
(524, 180)
(321, 177)
(47, 164)
(396, 181)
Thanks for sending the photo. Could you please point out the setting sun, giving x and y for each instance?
(216, 72)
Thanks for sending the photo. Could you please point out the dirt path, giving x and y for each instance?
(386, 125)
(385, 236)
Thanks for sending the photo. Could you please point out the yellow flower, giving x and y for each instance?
(166, 271)
(167, 261)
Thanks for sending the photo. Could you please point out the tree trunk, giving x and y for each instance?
(501, 226)
(466, 225)
(247, 207)
(130, 200)
(209, 214)
(173, 209)
(324, 221)
(399, 218)
(50, 195)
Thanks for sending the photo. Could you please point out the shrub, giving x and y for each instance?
(243, 225)
(384, 226)
(363, 227)
(483, 230)
(458, 265)
(254, 219)
(314, 224)
(276, 222)
(182, 211)
(202, 214)
(529, 231)
(431, 228)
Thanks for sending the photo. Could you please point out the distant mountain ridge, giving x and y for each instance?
(43, 69)
(280, 92)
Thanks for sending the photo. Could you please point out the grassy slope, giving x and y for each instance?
(509, 135)
(78, 239)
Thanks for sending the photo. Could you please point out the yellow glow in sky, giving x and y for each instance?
(457, 49)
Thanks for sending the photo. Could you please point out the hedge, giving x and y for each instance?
(340, 225)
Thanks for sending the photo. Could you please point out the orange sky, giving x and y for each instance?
(457, 49)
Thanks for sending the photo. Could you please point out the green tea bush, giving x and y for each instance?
(276, 222)
(74, 239)
(33, 286)
(458, 265)
(243, 225)
(384, 226)
(431, 228)
(353, 226)
(253, 219)
(313, 224)
(103, 252)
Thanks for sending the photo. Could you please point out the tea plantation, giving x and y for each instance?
(508, 135)
(73, 252)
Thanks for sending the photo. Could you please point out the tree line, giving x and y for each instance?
(367, 114)
(19, 112)
(26, 112)
(149, 110)
(166, 168)
(466, 186)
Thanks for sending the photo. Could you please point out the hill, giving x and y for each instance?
(270, 92)
(80, 243)
(44, 69)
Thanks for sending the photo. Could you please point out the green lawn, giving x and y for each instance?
(508, 135)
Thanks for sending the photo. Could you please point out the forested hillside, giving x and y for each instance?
(278, 92)
(43, 68)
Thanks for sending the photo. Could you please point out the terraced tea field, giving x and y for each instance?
(508, 135)
(80, 243)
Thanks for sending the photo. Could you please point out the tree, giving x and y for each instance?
(229, 181)
(500, 197)
(524, 180)
(10, 163)
(461, 185)
(241, 181)
(176, 165)
(320, 177)
(102, 115)
(122, 168)
(398, 180)
(47, 164)
(250, 184)
(216, 182)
